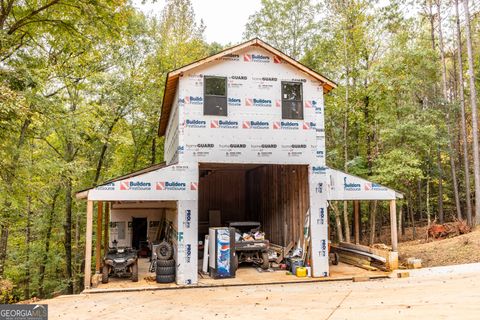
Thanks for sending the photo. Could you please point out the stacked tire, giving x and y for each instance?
(165, 272)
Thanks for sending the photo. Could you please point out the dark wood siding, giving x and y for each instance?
(275, 195)
(224, 191)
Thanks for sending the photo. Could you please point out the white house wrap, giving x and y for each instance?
(253, 130)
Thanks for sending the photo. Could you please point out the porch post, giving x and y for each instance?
(88, 246)
(356, 205)
(393, 224)
(98, 248)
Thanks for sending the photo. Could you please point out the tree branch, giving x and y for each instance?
(23, 20)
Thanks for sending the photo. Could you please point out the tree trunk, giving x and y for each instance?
(346, 222)
(103, 151)
(473, 101)
(154, 151)
(48, 236)
(412, 220)
(419, 196)
(4, 225)
(338, 222)
(400, 221)
(373, 216)
(461, 89)
(68, 234)
(440, 186)
(439, 159)
(27, 248)
(429, 221)
(447, 114)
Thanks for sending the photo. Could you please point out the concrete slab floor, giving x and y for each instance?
(453, 296)
(246, 275)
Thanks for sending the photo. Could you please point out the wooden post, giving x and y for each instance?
(105, 227)
(393, 224)
(356, 205)
(98, 248)
(88, 245)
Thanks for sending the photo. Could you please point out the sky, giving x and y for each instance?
(224, 19)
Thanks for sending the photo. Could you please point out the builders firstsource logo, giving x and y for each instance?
(256, 58)
(310, 104)
(258, 102)
(223, 124)
(309, 125)
(195, 123)
(235, 102)
(255, 125)
(108, 186)
(194, 100)
(369, 186)
(288, 125)
(135, 185)
(319, 170)
(351, 186)
(170, 185)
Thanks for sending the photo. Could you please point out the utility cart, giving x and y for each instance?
(250, 249)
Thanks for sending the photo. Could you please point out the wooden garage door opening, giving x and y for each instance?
(275, 195)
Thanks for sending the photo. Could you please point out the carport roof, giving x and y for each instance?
(82, 194)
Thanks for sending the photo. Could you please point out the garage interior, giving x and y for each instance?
(274, 195)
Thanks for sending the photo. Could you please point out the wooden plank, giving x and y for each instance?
(284, 252)
(358, 247)
(88, 245)
(356, 205)
(374, 256)
(98, 247)
(105, 227)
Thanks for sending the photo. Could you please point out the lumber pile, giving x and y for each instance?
(360, 256)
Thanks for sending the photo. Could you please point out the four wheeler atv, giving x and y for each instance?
(255, 251)
(121, 262)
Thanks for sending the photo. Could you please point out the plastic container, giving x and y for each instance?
(295, 263)
(301, 272)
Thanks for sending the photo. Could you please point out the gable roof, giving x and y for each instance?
(173, 76)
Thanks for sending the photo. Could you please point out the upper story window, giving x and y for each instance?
(215, 96)
(292, 100)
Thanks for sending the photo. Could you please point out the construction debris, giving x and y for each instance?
(449, 229)
(361, 256)
(413, 263)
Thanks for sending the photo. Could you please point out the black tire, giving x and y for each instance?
(165, 271)
(235, 262)
(164, 251)
(135, 272)
(105, 274)
(165, 263)
(265, 263)
(165, 278)
(335, 259)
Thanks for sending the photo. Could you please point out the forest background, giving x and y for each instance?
(81, 87)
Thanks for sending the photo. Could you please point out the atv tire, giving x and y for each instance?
(164, 251)
(135, 272)
(165, 271)
(165, 278)
(265, 262)
(105, 274)
(165, 263)
(235, 262)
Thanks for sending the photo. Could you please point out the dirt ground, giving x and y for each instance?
(426, 297)
(456, 250)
